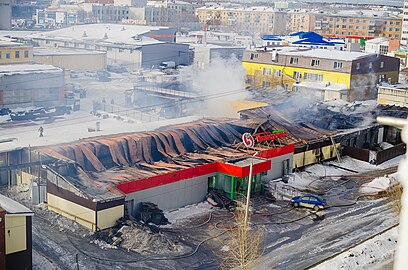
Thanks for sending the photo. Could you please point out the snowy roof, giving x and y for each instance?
(14, 208)
(376, 40)
(323, 86)
(27, 68)
(328, 54)
(115, 33)
(62, 51)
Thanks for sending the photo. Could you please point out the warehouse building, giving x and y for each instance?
(15, 236)
(134, 46)
(70, 59)
(327, 74)
(23, 85)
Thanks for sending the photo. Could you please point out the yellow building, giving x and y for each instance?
(252, 19)
(15, 53)
(15, 235)
(330, 74)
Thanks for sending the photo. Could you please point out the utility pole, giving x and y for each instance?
(248, 198)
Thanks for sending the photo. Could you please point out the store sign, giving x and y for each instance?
(248, 140)
(270, 136)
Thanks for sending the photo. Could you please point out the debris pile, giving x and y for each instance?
(137, 238)
(150, 213)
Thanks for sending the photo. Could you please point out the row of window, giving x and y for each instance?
(358, 21)
(17, 55)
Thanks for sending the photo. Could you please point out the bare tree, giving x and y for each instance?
(244, 243)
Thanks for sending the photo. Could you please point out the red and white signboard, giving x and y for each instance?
(248, 140)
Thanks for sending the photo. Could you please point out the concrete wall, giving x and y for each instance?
(15, 234)
(153, 55)
(74, 61)
(32, 89)
(277, 166)
(173, 195)
(392, 96)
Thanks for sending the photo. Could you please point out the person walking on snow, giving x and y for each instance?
(41, 130)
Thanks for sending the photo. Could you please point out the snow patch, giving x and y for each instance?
(183, 214)
(379, 184)
(372, 254)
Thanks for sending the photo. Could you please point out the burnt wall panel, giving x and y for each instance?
(357, 153)
(391, 153)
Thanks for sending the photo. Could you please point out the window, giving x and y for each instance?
(313, 77)
(266, 84)
(297, 75)
(370, 65)
(358, 66)
(0, 55)
(267, 71)
(294, 60)
(25, 54)
(277, 72)
(338, 65)
(382, 64)
(17, 54)
(382, 78)
(315, 62)
(7, 55)
(254, 55)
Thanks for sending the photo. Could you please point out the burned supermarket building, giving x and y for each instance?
(96, 181)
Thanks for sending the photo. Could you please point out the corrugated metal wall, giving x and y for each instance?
(174, 195)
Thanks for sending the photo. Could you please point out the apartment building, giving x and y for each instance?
(361, 23)
(330, 74)
(13, 53)
(404, 34)
(262, 20)
(61, 15)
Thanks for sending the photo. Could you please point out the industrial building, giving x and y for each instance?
(394, 95)
(23, 85)
(131, 45)
(330, 74)
(12, 52)
(70, 59)
(305, 40)
(15, 235)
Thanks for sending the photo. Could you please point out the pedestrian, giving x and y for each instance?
(41, 130)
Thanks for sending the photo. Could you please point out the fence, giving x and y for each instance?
(125, 112)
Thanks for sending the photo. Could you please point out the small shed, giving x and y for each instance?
(15, 235)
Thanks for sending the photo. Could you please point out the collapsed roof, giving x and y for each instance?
(104, 162)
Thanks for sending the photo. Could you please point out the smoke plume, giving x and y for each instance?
(219, 85)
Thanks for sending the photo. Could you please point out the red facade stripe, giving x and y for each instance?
(201, 170)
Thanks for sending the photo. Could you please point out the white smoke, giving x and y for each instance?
(219, 85)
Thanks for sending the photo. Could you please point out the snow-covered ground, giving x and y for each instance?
(301, 180)
(374, 253)
(181, 215)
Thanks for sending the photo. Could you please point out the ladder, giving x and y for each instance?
(335, 149)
